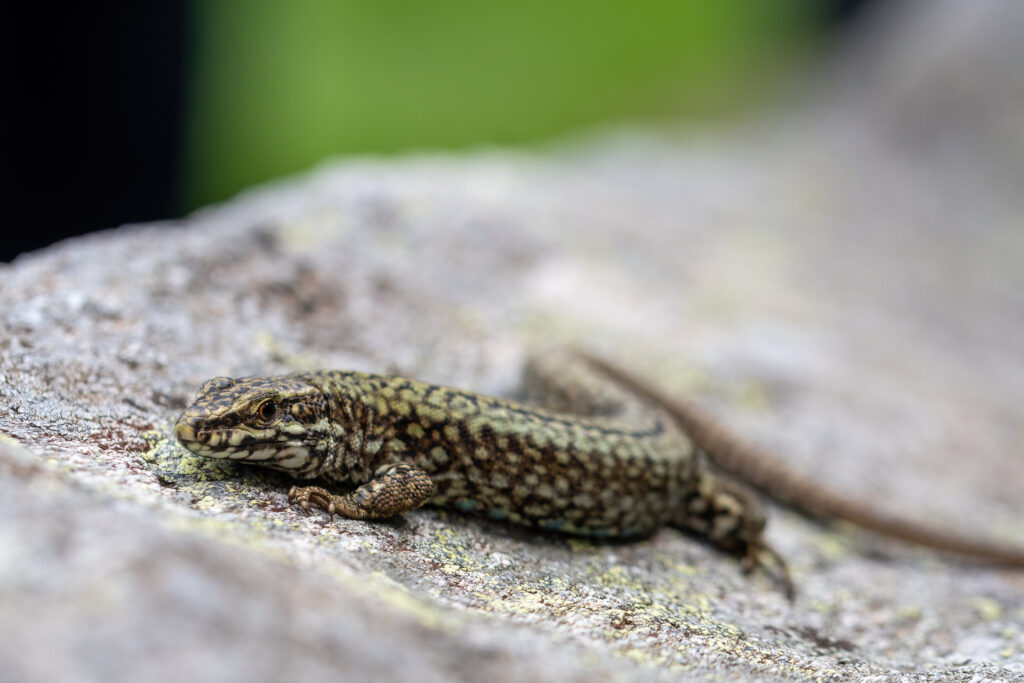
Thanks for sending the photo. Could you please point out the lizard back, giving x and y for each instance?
(621, 469)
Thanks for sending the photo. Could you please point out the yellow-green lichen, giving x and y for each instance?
(453, 556)
(987, 608)
(833, 546)
(908, 613)
(170, 459)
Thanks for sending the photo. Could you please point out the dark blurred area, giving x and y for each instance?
(127, 112)
(93, 127)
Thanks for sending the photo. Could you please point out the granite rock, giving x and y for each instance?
(839, 281)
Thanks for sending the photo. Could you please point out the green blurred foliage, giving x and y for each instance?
(280, 85)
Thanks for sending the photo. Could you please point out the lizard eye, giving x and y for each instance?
(266, 410)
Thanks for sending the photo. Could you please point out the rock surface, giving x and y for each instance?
(841, 283)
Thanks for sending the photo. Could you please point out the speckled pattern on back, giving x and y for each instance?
(594, 461)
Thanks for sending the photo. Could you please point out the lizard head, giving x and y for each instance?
(276, 422)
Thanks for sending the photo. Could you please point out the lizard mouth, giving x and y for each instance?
(256, 451)
(237, 444)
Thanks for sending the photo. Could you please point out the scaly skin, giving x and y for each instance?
(595, 461)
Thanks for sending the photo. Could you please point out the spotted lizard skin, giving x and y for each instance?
(584, 457)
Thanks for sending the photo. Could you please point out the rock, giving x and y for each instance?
(853, 303)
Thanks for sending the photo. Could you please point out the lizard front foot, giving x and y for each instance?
(395, 488)
(312, 495)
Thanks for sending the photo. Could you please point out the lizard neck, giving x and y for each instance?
(355, 425)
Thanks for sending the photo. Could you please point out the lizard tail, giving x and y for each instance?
(780, 482)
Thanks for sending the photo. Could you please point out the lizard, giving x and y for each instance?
(579, 455)
(603, 452)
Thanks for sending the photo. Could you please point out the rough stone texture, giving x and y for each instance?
(842, 283)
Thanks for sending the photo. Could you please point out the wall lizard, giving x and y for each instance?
(596, 451)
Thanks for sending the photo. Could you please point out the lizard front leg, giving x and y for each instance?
(393, 490)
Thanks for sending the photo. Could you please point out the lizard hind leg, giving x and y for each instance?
(393, 490)
(730, 516)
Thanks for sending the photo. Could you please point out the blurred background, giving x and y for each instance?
(128, 111)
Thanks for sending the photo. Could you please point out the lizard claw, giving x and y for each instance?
(295, 496)
(305, 496)
(755, 557)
